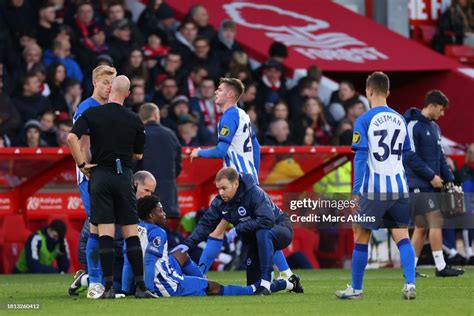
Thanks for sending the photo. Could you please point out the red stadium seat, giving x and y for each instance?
(462, 53)
(72, 237)
(305, 241)
(424, 34)
(340, 250)
(13, 236)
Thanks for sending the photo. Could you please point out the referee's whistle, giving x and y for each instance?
(118, 165)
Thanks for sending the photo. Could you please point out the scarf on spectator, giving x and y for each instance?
(151, 53)
(210, 113)
(85, 34)
(184, 41)
(274, 87)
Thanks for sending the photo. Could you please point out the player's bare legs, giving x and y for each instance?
(361, 235)
(433, 221)
(418, 239)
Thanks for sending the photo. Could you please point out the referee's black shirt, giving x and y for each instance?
(115, 132)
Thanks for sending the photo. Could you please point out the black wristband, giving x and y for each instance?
(82, 165)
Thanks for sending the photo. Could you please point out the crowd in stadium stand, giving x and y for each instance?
(49, 48)
(454, 24)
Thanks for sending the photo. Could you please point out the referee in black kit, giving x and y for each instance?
(117, 136)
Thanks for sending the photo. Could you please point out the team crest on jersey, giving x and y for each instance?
(355, 138)
(224, 131)
(242, 211)
(156, 242)
(431, 203)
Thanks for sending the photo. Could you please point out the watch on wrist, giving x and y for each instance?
(82, 165)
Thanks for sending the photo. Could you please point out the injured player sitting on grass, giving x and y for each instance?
(176, 274)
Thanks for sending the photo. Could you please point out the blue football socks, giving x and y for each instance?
(360, 257)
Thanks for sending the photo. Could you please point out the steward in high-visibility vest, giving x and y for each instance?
(42, 248)
(337, 181)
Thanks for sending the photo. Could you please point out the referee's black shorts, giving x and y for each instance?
(112, 197)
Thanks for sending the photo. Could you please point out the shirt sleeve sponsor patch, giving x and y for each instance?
(224, 131)
(355, 138)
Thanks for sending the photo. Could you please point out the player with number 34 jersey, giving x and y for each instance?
(382, 132)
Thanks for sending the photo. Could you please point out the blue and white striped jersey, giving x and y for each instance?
(83, 106)
(234, 128)
(162, 272)
(382, 132)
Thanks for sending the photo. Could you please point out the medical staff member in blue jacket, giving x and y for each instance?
(427, 170)
(260, 224)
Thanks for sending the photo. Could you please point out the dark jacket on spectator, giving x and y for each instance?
(295, 102)
(10, 119)
(269, 140)
(212, 64)
(149, 20)
(31, 107)
(119, 49)
(18, 20)
(207, 32)
(162, 157)
(46, 36)
(224, 53)
(322, 136)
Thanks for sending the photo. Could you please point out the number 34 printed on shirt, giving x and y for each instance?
(395, 147)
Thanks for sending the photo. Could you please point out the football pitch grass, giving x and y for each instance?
(382, 296)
